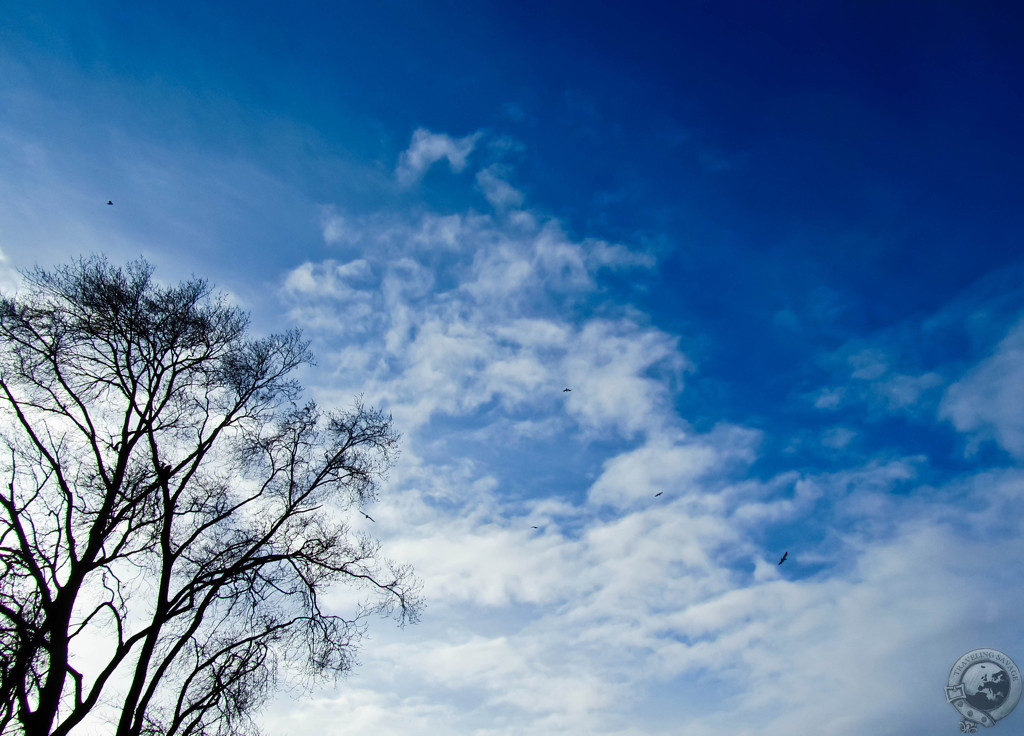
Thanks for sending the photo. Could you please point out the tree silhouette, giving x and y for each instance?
(165, 495)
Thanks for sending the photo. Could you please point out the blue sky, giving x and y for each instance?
(774, 249)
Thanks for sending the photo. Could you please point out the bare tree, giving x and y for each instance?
(165, 495)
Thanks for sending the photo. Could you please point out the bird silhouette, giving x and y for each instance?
(566, 389)
(368, 516)
(658, 493)
(784, 556)
(536, 527)
(109, 202)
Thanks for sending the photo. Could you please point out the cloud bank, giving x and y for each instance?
(621, 612)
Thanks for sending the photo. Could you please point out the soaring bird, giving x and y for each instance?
(536, 527)
(658, 493)
(784, 556)
(566, 389)
(368, 516)
(109, 202)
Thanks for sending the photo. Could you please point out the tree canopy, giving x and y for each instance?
(170, 505)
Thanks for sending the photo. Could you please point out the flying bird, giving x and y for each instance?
(109, 202)
(658, 493)
(784, 556)
(368, 516)
(536, 527)
(566, 389)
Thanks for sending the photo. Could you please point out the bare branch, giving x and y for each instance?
(166, 491)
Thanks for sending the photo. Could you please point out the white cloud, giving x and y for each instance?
(751, 510)
(327, 279)
(838, 437)
(496, 189)
(361, 710)
(987, 403)
(333, 226)
(871, 380)
(852, 651)
(868, 364)
(622, 376)
(611, 255)
(428, 148)
(670, 463)
(829, 398)
(441, 305)
(10, 280)
(901, 391)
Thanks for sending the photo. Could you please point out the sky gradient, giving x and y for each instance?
(773, 248)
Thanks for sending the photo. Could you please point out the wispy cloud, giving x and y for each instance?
(871, 377)
(496, 188)
(9, 278)
(428, 148)
(456, 311)
(332, 225)
(987, 403)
